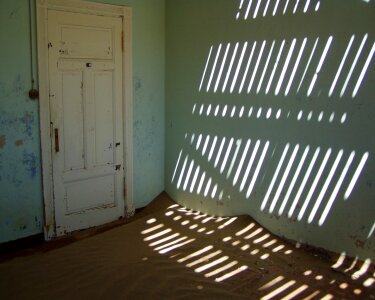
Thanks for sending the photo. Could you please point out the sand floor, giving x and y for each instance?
(169, 252)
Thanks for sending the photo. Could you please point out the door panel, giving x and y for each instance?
(72, 99)
(85, 73)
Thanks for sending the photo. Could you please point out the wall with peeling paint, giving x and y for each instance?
(21, 203)
(21, 208)
(264, 128)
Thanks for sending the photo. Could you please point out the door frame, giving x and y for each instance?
(43, 6)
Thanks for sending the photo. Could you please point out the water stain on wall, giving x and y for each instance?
(18, 143)
(30, 163)
(28, 121)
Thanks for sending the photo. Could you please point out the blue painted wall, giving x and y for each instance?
(210, 120)
(21, 203)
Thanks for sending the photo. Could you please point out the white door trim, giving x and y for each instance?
(45, 132)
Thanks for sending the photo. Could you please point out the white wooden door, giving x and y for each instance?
(85, 74)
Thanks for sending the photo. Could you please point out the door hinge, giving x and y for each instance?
(122, 41)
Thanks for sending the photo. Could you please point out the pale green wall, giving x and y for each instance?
(192, 27)
(21, 205)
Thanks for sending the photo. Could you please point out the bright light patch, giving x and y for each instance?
(234, 158)
(225, 108)
(283, 179)
(269, 112)
(286, 64)
(279, 290)
(222, 67)
(275, 66)
(254, 252)
(207, 187)
(285, 7)
(201, 109)
(233, 111)
(364, 70)
(296, 65)
(188, 175)
(364, 268)
(169, 213)
(266, 8)
(227, 223)
(211, 264)
(295, 7)
(325, 51)
(152, 229)
(194, 107)
(204, 258)
(176, 218)
(182, 171)
(295, 293)
(245, 247)
(353, 65)
(252, 158)
(265, 67)
(331, 90)
(278, 114)
(270, 243)
(247, 68)
(259, 112)
(314, 184)
(300, 114)
(275, 8)
(253, 234)
(219, 152)
(240, 165)
(214, 190)
(264, 256)
(212, 148)
(304, 181)
(156, 235)
(306, 6)
(336, 189)
(248, 9)
(240, 114)
(231, 274)
(208, 110)
(246, 229)
(170, 243)
(343, 118)
(213, 68)
(325, 186)
(317, 6)
(229, 148)
(164, 239)
(308, 63)
(230, 67)
(276, 174)
(176, 246)
(201, 183)
(238, 67)
(356, 175)
(262, 238)
(320, 117)
(331, 117)
(369, 282)
(256, 9)
(271, 283)
(205, 68)
(256, 67)
(205, 145)
(150, 221)
(256, 173)
(250, 112)
(175, 169)
(371, 232)
(194, 179)
(197, 253)
(217, 110)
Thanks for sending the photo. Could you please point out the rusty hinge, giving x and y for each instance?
(122, 41)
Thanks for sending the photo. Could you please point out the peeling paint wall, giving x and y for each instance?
(21, 203)
(257, 123)
(21, 208)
